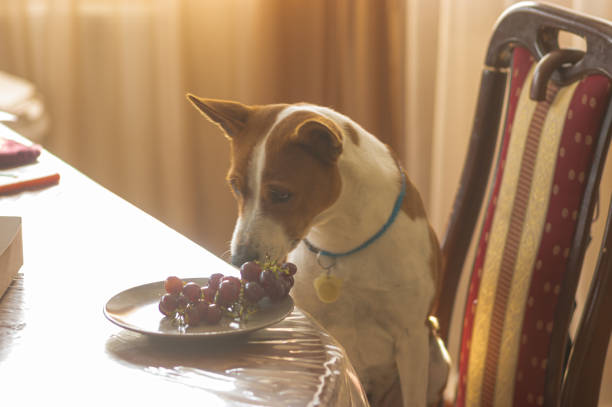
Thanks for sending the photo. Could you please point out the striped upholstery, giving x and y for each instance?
(526, 237)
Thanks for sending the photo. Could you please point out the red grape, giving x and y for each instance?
(208, 293)
(192, 291)
(163, 310)
(250, 271)
(181, 303)
(289, 279)
(276, 290)
(290, 267)
(192, 314)
(227, 293)
(168, 304)
(202, 307)
(287, 284)
(173, 285)
(253, 291)
(214, 314)
(215, 280)
(233, 280)
(266, 277)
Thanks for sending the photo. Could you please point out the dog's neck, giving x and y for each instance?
(371, 183)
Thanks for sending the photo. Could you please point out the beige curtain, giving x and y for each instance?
(114, 74)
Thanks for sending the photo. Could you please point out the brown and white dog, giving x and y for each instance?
(307, 174)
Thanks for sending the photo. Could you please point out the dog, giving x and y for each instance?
(314, 187)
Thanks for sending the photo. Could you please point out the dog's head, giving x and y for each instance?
(283, 172)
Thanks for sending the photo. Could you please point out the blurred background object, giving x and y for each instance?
(114, 74)
(22, 107)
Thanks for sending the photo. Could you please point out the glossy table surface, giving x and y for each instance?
(82, 245)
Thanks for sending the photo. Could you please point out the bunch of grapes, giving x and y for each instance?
(234, 297)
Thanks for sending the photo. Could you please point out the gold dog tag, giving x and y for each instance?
(327, 288)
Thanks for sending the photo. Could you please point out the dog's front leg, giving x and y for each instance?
(412, 360)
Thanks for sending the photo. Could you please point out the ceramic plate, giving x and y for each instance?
(136, 309)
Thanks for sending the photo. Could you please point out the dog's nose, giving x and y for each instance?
(242, 254)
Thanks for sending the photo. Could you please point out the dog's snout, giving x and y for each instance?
(242, 254)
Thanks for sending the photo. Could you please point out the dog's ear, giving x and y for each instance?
(321, 137)
(230, 116)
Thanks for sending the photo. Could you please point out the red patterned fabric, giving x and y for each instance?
(13, 154)
(512, 244)
(580, 133)
(521, 65)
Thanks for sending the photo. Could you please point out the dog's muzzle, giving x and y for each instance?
(242, 254)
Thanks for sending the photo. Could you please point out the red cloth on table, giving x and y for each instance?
(13, 154)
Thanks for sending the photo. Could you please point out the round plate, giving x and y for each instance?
(136, 309)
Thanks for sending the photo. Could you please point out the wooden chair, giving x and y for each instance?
(535, 222)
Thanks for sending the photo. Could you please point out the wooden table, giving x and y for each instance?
(83, 244)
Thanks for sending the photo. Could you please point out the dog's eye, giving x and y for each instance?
(235, 185)
(279, 195)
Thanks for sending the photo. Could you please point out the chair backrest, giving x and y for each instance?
(537, 215)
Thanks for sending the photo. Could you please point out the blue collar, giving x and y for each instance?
(396, 208)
